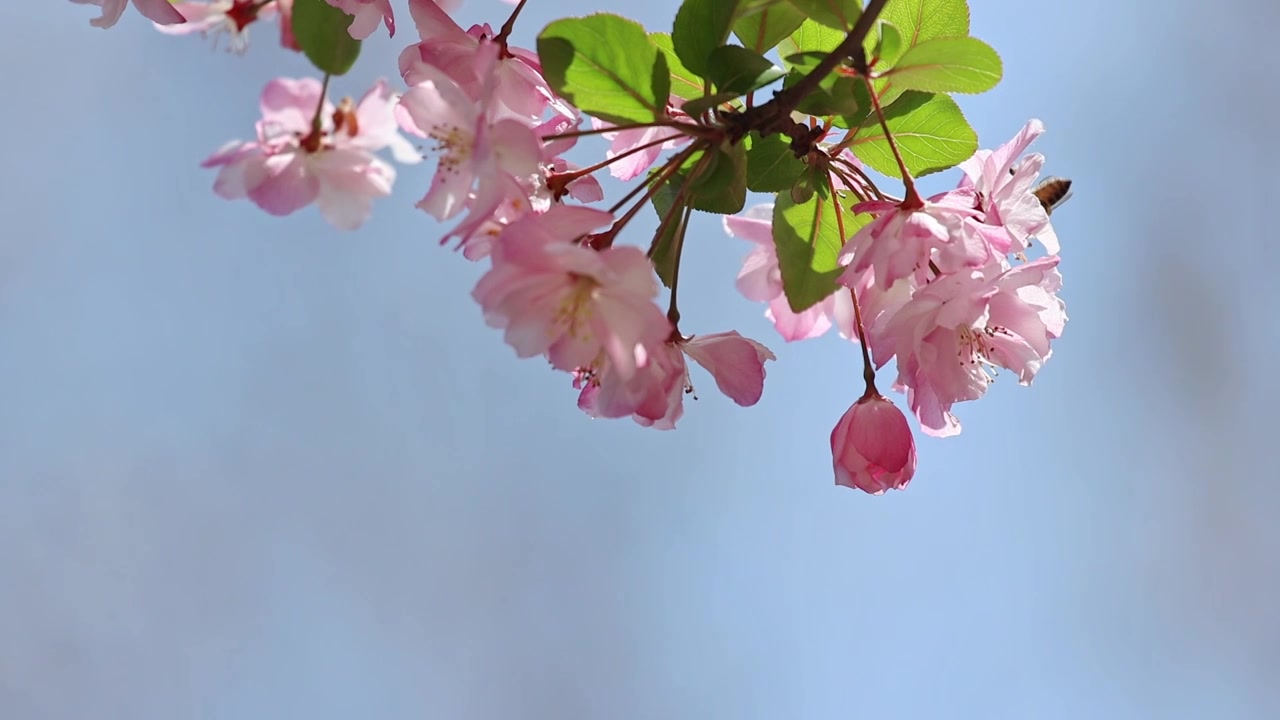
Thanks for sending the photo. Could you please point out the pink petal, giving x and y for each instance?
(515, 147)
(755, 225)
(159, 11)
(291, 103)
(433, 21)
(794, 326)
(759, 279)
(281, 184)
(736, 363)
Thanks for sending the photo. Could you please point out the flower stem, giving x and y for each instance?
(673, 311)
(654, 181)
(652, 188)
(912, 199)
(868, 370)
(848, 180)
(508, 26)
(570, 177)
(311, 143)
(689, 129)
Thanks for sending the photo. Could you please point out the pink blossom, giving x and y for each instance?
(1004, 187)
(483, 226)
(508, 198)
(654, 395)
(158, 11)
(485, 162)
(760, 280)
(872, 448)
(573, 303)
(290, 165)
(221, 16)
(514, 81)
(583, 188)
(365, 16)
(901, 241)
(958, 328)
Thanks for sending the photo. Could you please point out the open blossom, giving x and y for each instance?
(654, 396)
(487, 159)
(561, 177)
(1004, 187)
(534, 193)
(291, 165)
(158, 11)
(366, 15)
(902, 241)
(760, 280)
(872, 448)
(570, 302)
(956, 329)
(514, 80)
(232, 17)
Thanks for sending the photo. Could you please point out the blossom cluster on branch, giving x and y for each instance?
(953, 286)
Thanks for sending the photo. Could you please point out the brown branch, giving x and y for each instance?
(775, 116)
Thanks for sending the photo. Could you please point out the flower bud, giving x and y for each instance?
(872, 448)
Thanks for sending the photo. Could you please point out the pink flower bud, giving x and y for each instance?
(872, 447)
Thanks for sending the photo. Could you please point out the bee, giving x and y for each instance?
(1052, 192)
(344, 117)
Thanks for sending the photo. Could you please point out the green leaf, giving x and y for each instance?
(738, 70)
(701, 26)
(931, 132)
(720, 185)
(771, 165)
(838, 14)
(916, 21)
(954, 64)
(889, 44)
(751, 7)
(762, 31)
(684, 83)
(606, 66)
(662, 251)
(852, 92)
(808, 240)
(920, 20)
(322, 32)
(810, 37)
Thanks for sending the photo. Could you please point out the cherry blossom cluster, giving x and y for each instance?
(944, 284)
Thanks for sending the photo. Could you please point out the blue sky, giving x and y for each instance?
(255, 467)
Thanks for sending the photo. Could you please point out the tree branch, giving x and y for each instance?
(775, 116)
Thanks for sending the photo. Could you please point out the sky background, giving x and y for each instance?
(254, 467)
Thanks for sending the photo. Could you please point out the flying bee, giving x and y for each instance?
(1052, 192)
(344, 117)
